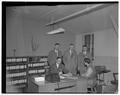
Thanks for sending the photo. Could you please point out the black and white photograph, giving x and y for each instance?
(60, 47)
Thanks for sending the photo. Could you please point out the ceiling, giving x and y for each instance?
(94, 21)
(48, 13)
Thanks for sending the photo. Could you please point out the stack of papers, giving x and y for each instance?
(40, 79)
(73, 77)
(67, 75)
(62, 77)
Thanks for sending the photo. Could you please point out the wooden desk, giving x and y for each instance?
(65, 85)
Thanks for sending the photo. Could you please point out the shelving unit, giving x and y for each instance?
(36, 65)
(19, 69)
(16, 71)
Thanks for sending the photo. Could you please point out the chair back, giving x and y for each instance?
(99, 69)
(115, 76)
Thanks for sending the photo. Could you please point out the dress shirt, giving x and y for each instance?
(56, 51)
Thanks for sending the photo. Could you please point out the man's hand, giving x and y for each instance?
(60, 73)
(68, 74)
(83, 75)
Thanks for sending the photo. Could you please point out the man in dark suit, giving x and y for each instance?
(53, 54)
(58, 67)
(55, 70)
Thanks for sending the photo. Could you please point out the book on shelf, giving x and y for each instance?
(16, 59)
(36, 64)
(16, 82)
(24, 59)
(16, 74)
(43, 59)
(16, 67)
(36, 71)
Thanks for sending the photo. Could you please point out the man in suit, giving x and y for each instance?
(70, 60)
(58, 67)
(55, 70)
(81, 56)
(53, 54)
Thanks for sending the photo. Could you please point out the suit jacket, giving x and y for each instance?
(53, 69)
(52, 56)
(70, 61)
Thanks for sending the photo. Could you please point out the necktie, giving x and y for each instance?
(56, 52)
(70, 53)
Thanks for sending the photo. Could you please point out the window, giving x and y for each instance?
(89, 42)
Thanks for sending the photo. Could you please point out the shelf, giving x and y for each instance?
(15, 63)
(38, 59)
(16, 67)
(16, 59)
(39, 74)
(13, 82)
(36, 71)
(17, 78)
(35, 64)
(16, 75)
(36, 68)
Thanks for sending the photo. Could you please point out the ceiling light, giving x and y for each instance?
(56, 31)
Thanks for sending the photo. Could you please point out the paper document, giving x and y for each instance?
(62, 77)
(39, 79)
(68, 76)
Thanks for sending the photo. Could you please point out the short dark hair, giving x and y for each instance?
(87, 60)
(59, 58)
(71, 44)
(57, 44)
(84, 46)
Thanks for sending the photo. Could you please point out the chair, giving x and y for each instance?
(92, 84)
(97, 88)
(113, 87)
(115, 81)
(92, 89)
(99, 70)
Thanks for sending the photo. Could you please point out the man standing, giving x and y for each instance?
(81, 56)
(53, 54)
(70, 60)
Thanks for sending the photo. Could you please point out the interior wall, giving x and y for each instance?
(14, 34)
(22, 32)
(45, 42)
(106, 41)
(106, 50)
(78, 43)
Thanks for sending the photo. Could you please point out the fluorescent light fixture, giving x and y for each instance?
(57, 31)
